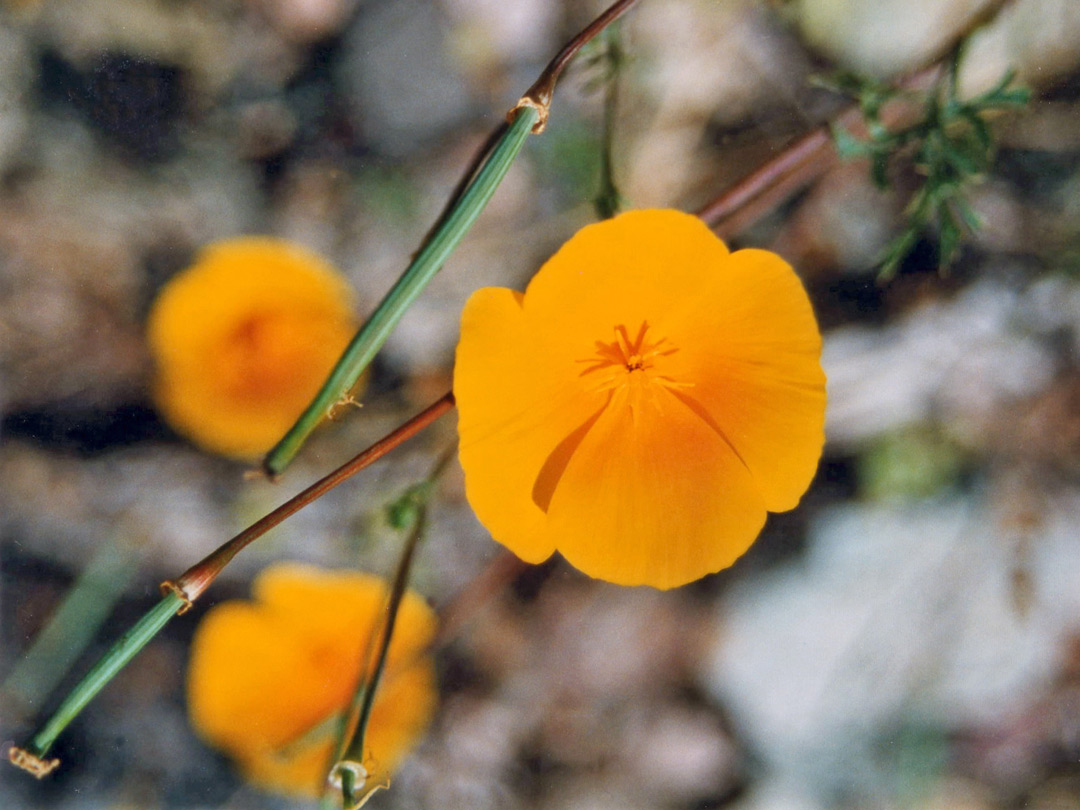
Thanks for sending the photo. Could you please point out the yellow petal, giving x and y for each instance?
(300, 772)
(402, 710)
(266, 676)
(653, 495)
(628, 270)
(517, 401)
(751, 347)
(244, 338)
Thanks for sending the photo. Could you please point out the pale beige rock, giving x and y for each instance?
(1040, 39)
(307, 20)
(699, 63)
(489, 34)
(198, 36)
(949, 360)
(73, 242)
(15, 82)
(896, 614)
(885, 37)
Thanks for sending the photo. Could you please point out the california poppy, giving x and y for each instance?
(268, 679)
(643, 404)
(243, 339)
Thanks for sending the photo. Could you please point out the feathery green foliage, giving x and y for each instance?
(950, 145)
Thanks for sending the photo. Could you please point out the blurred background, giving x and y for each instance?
(909, 637)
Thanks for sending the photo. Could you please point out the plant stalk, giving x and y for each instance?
(191, 584)
(376, 330)
(530, 114)
(179, 594)
(105, 670)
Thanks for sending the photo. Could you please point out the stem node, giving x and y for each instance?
(168, 586)
(539, 101)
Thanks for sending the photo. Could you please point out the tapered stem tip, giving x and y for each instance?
(32, 764)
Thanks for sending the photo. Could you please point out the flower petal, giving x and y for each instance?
(751, 346)
(340, 604)
(653, 495)
(517, 401)
(266, 676)
(247, 670)
(243, 339)
(623, 271)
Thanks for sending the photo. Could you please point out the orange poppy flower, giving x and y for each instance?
(643, 404)
(267, 679)
(244, 338)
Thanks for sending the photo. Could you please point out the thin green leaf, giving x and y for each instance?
(979, 129)
(966, 213)
(949, 235)
(117, 657)
(847, 146)
(72, 626)
(895, 252)
(997, 90)
(879, 170)
(963, 159)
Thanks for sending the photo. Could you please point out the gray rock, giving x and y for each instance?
(949, 359)
(403, 89)
(899, 617)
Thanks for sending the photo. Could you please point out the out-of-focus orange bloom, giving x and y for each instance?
(643, 404)
(267, 679)
(244, 338)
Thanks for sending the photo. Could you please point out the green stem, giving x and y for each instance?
(410, 510)
(192, 583)
(104, 670)
(355, 749)
(352, 793)
(374, 333)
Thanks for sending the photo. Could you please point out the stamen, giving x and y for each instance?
(625, 355)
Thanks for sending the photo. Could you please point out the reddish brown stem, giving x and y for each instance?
(802, 159)
(797, 166)
(539, 95)
(191, 584)
(811, 155)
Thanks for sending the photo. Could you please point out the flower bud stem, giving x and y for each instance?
(349, 749)
(356, 720)
(196, 579)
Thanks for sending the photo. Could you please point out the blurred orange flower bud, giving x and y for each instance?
(244, 338)
(268, 679)
(643, 404)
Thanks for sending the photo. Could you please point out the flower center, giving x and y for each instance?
(627, 358)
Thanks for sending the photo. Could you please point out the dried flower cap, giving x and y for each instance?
(266, 676)
(244, 338)
(643, 404)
